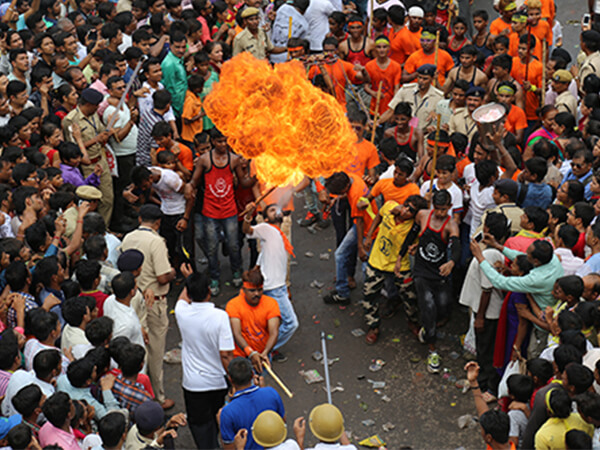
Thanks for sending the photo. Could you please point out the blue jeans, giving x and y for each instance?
(289, 321)
(229, 227)
(345, 260)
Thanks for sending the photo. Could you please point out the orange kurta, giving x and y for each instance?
(417, 59)
(391, 78)
(338, 72)
(534, 76)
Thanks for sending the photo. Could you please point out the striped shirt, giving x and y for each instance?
(145, 141)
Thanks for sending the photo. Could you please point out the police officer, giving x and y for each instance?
(564, 102)
(422, 97)
(327, 424)
(94, 137)
(462, 120)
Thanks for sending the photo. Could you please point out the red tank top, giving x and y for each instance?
(219, 194)
(360, 56)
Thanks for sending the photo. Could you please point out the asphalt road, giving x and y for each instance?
(421, 409)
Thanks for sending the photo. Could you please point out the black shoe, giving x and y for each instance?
(278, 357)
(333, 298)
(309, 219)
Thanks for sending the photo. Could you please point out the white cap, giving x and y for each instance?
(416, 11)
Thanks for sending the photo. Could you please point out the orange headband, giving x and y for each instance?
(295, 49)
(249, 285)
(440, 144)
(356, 22)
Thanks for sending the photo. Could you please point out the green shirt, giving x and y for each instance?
(208, 85)
(538, 282)
(175, 80)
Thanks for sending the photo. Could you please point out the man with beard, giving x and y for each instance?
(272, 260)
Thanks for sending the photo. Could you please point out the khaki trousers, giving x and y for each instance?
(158, 325)
(105, 206)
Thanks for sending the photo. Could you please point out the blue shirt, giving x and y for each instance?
(586, 180)
(244, 408)
(590, 266)
(538, 194)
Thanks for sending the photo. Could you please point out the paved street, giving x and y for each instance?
(422, 408)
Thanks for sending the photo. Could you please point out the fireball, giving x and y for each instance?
(276, 117)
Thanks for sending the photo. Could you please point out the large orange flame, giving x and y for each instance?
(278, 118)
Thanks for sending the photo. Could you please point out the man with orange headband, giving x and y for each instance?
(255, 320)
(426, 55)
(275, 248)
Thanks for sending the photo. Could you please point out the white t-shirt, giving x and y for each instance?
(389, 172)
(205, 331)
(171, 201)
(273, 255)
(146, 103)
(518, 423)
(127, 145)
(290, 444)
(5, 229)
(336, 446)
(317, 16)
(481, 199)
(454, 191)
(476, 281)
(19, 380)
(126, 322)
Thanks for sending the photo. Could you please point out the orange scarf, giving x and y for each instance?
(286, 242)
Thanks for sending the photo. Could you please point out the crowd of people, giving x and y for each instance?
(117, 189)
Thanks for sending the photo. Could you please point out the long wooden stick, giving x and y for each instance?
(435, 151)
(370, 20)
(528, 53)
(260, 198)
(544, 50)
(278, 381)
(289, 36)
(436, 81)
(376, 115)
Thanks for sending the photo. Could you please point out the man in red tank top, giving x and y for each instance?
(219, 210)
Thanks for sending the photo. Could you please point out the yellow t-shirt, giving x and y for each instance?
(552, 434)
(389, 240)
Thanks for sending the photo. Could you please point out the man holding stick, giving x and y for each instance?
(255, 320)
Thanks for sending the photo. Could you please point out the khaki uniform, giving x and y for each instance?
(565, 102)
(591, 64)
(90, 128)
(259, 46)
(462, 122)
(422, 107)
(156, 263)
(512, 213)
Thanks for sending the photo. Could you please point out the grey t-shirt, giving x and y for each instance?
(518, 423)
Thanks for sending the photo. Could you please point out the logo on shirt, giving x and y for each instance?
(431, 253)
(220, 188)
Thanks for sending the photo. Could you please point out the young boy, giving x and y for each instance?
(518, 29)
(202, 64)
(444, 171)
(380, 23)
(482, 36)
(71, 157)
(163, 135)
(202, 143)
(520, 390)
(541, 29)
(192, 109)
(88, 277)
(534, 192)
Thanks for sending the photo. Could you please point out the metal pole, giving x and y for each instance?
(113, 119)
(326, 362)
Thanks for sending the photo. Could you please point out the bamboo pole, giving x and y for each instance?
(376, 116)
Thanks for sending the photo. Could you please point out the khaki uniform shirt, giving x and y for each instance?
(258, 45)
(462, 122)
(591, 64)
(422, 107)
(156, 258)
(512, 213)
(565, 102)
(90, 128)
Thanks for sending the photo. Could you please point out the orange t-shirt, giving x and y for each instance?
(417, 59)
(411, 42)
(498, 26)
(534, 76)
(366, 158)
(391, 77)
(359, 189)
(186, 156)
(513, 44)
(397, 51)
(386, 188)
(461, 164)
(336, 73)
(255, 328)
(541, 31)
(192, 106)
(515, 120)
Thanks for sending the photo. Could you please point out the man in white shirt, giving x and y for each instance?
(317, 16)
(485, 302)
(47, 366)
(77, 315)
(207, 348)
(118, 308)
(565, 238)
(272, 260)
